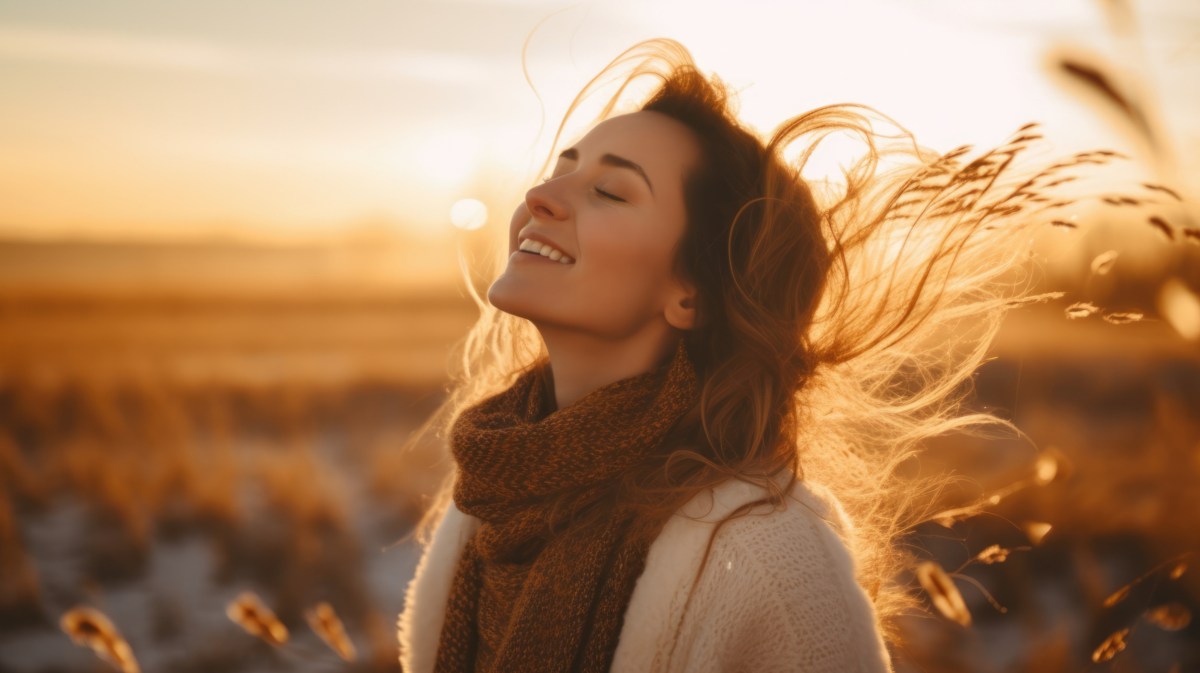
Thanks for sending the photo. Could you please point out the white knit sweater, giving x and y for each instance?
(778, 593)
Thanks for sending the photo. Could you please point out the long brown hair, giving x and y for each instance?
(839, 322)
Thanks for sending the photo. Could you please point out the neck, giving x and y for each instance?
(581, 363)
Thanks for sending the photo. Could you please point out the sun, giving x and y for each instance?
(468, 214)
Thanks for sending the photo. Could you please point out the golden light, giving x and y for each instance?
(833, 155)
(1037, 530)
(1046, 469)
(444, 158)
(1181, 307)
(468, 214)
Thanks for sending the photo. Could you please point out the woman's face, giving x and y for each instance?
(614, 207)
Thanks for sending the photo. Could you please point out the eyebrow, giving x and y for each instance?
(611, 160)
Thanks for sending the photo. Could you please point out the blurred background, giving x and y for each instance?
(236, 247)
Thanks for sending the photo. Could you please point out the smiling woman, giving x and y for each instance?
(678, 424)
(615, 309)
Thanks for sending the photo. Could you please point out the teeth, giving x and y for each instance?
(546, 251)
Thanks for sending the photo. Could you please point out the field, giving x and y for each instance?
(167, 445)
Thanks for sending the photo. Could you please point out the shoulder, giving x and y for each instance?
(803, 544)
(811, 521)
(808, 532)
(778, 590)
(812, 499)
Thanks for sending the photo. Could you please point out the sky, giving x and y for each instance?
(294, 119)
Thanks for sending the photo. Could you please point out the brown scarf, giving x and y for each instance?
(524, 600)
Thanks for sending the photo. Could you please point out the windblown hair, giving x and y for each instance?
(839, 323)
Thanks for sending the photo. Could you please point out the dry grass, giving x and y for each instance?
(91, 628)
(242, 467)
(257, 473)
(325, 623)
(248, 612)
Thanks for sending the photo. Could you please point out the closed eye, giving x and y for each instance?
(606, 195)
(599, 191)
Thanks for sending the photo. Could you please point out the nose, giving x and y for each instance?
(544, 202)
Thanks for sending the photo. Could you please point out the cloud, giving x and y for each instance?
(98, 48)
(91, 48)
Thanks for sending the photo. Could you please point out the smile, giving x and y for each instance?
(532, 246)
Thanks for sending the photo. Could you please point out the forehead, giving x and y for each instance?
(664, 146)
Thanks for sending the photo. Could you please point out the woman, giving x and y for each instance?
(677, 432)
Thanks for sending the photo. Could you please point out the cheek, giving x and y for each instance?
(627, 255)
(519, 219)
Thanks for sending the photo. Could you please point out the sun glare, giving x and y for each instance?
(834, 154)
(444, 158)
(468, 214)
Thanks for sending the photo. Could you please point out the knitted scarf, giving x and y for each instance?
(523, 599)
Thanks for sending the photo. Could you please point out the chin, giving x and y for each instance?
(521, 306)
(500, 297)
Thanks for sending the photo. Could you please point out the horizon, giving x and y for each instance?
(176, 123)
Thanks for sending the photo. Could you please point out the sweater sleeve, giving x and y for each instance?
(779, 594)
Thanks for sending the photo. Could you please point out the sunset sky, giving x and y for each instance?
(168, 120)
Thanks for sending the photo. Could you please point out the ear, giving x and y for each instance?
(680, 311)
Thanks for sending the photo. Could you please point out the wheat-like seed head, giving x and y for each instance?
(91, 628)
(249, 612)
